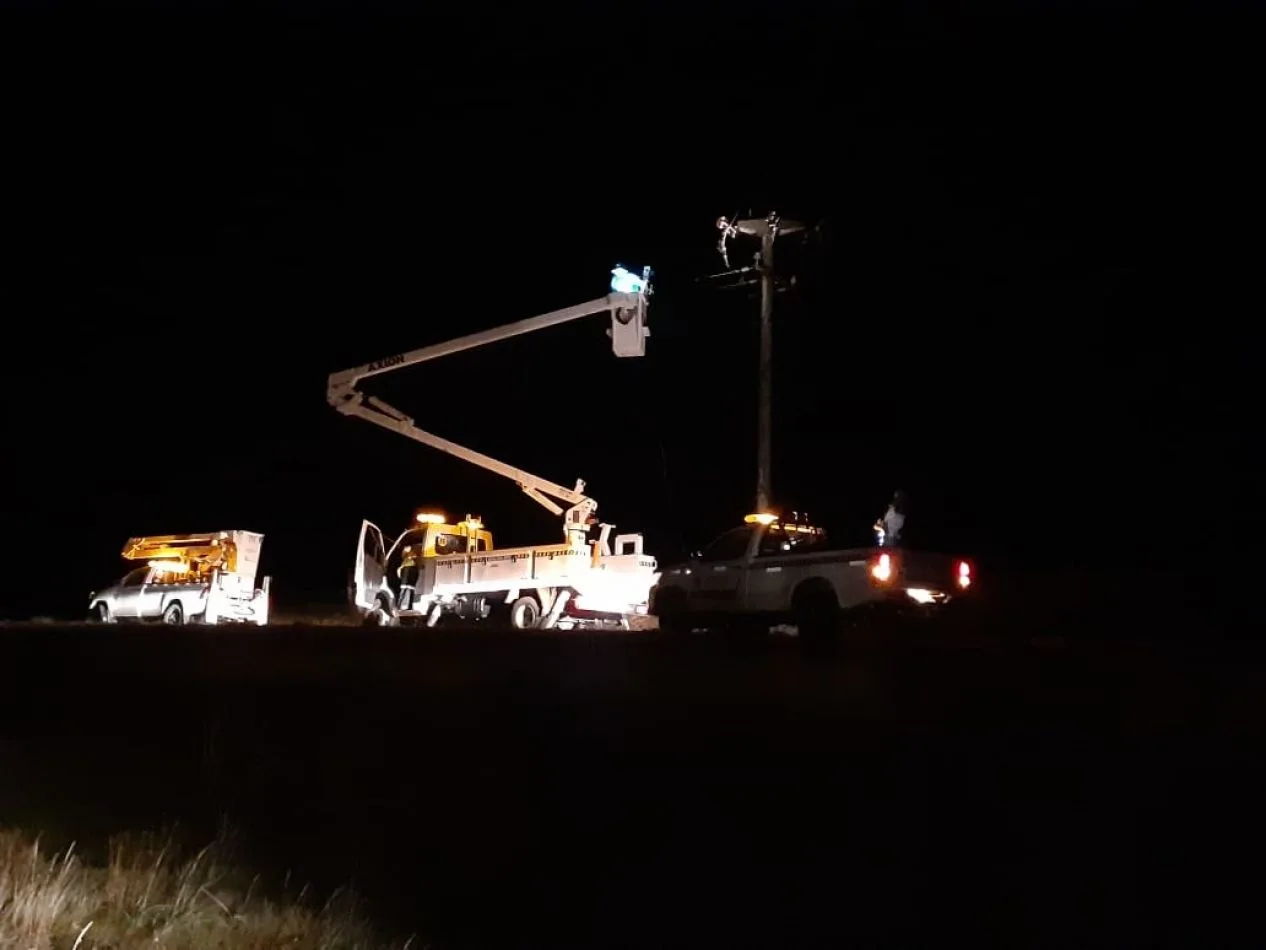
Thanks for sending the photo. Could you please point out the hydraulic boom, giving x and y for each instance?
(626, 304)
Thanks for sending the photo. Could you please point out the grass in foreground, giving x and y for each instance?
(146, 895)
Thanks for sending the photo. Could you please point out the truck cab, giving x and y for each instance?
(386, 577)
(142, 591)
(433, 537)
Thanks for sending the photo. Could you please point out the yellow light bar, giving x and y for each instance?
(762, 518)
(429, 517)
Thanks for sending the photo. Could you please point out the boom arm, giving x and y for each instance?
(628, 313)
(211, 549)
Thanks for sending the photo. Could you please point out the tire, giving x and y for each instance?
(675, 625)
(525, 614)
(670, 611)
(817, 614)
(174, 614)
(379, 615)
(100, 614)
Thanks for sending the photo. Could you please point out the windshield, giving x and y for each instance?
(782, 539)
(135, 577)
(456, 544)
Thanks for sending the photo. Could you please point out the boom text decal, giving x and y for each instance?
(389, 361)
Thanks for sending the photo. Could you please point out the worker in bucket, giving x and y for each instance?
(888, 528)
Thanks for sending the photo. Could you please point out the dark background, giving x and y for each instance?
(1033, 310)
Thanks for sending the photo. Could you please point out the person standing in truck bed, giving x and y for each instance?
(889, 527)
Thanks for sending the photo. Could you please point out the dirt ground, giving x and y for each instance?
(492, 790)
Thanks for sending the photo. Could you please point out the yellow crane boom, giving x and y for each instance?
(230, 551)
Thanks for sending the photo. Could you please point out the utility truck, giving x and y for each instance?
(437, 568)
(183, 578)
(770, 571)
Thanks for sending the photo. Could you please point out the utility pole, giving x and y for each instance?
(765, 422)
(768, 229)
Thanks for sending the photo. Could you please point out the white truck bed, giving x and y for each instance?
(614, 583)
(552, 563)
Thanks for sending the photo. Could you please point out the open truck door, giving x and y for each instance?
(371, 566)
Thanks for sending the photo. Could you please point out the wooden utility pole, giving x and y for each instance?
(768, 229)
(765, 422)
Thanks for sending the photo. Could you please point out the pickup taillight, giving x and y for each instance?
(882, 568)
(962, 575)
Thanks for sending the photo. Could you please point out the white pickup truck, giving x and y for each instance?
(768, 572)
(204, 578)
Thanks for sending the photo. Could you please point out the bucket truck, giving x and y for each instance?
(204, 578)
(451, 568)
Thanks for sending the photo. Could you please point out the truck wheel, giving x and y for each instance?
(816, 613)
(379, 615)
(674, 624)
(670, 611)
(100, 614)
(525, 614)
(174, 615)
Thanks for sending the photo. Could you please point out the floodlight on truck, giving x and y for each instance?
(429, 517)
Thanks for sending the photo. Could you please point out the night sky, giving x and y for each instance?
(1031, 307)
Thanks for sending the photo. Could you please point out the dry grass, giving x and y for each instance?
(146, 895)
(332, 617)
(328, 617)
